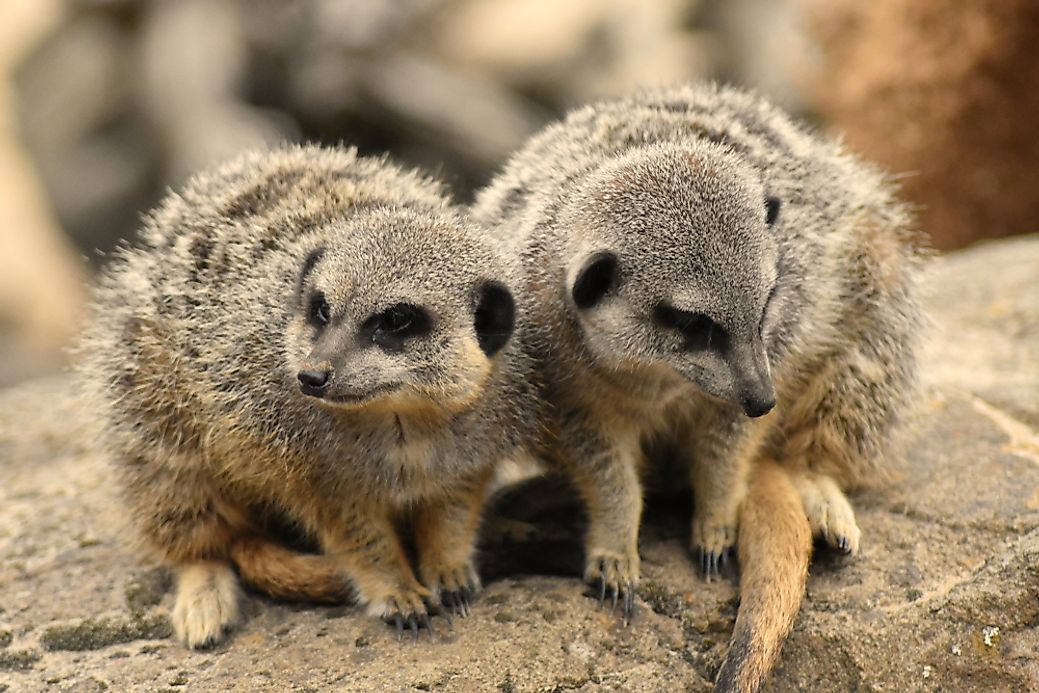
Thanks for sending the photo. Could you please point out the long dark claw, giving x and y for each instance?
(451, 602)
(446, 610)
(466, 601)
(398, 620)
(613, 598)
(426, 623)
(413, 625)
(602, 590)
(629, 604)
(710, 562)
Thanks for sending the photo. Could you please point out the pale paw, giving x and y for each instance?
(206, 607)
(829, 513)
(614, 577)
(713, 542)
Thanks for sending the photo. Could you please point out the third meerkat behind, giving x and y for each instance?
(703, 269)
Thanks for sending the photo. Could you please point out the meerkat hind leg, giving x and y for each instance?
(206, 607)
(829, 512)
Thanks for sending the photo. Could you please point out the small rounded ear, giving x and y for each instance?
(595, 279)
(495, 317)
(771, 210)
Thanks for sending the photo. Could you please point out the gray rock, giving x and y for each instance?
(943, 596)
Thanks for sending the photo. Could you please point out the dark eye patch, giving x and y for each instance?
(595, 280)
(308, 266)
(318, 310)
(391, 328)
(772, 206)
(701, 332)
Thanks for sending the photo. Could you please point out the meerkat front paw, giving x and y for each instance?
(713, 540)
(207, 603)
(454, 587)
(829, 512)
(404, 607)
(614, 576)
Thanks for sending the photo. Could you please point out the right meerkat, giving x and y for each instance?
(702, 269)
(313, 335)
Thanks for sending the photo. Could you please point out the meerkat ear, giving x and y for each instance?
(771, 210)
(495, 317)
(594, 280)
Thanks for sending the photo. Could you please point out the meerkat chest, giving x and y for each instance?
(415, 459)
(637, 401)
(414, 453)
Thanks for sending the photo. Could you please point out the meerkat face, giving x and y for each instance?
(398, 311)
(673, 263)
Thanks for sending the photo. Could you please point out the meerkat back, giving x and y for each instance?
(323, 336)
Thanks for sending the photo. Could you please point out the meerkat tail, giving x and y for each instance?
(775, 546)
(283, 573)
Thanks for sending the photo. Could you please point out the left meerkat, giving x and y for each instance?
(320, 334)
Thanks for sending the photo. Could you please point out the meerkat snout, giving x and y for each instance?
(314, 382)
(755, 391)
(758, 404)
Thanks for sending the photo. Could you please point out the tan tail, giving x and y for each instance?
(286, 574)
(775, 545)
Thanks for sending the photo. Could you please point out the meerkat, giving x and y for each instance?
(701, 268)
(313, 333)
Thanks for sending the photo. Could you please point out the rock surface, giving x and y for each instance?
(945, 595)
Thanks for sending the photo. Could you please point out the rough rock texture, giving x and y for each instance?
(943, 91)
(945, 595)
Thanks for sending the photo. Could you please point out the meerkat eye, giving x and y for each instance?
(772, 205)
(700, 332)
(319, 311)
(398, 323)
(398, 318)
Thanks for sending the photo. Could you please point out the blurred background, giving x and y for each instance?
(106, 103)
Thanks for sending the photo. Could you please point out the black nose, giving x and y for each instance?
(756, 407)
(313, 383)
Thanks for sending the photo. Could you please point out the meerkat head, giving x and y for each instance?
(672, 263)
(398, 310)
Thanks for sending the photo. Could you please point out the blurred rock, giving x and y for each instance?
(41, 296)
(81, 122)
(577, 50)
(127, 97)
(946, 93)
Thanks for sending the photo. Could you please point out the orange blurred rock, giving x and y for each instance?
(945, 92)
(41, 277)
